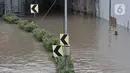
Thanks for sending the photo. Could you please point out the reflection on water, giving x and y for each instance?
(19, 53)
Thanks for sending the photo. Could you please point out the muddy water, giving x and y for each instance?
(94, 48)
(20, 53)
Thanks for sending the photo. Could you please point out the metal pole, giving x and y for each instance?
(66, 27)
(34, 13)
(109, 11)
(35, 17)
(66, 32)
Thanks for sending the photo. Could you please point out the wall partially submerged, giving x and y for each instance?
(16, 6)
(1, 1)
(121, 19)
(104, 9)
(88, 6)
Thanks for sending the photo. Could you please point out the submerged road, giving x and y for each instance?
(94, 49)
(20, 53)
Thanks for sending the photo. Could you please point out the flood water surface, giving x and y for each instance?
(20, 53)
(94, 48)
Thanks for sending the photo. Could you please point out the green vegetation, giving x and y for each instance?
(11, 18)
(61, 65)
(1, 14)
(29, 27)
(38, 33)
(47, 35)
(26, 25)
(44, 36)
(48, 42)
(22, 23)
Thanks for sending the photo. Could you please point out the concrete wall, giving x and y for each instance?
(122, 19)
(70, 6)
(15, 5)
(104, 9)
(90, 6)
(1, 1)
(7, 5)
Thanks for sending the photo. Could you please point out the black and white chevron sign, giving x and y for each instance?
(57, 51)
(64, 39)
(34, 8)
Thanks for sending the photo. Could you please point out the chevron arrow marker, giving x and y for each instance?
(57, 51)
(34, 8)
(64, 39)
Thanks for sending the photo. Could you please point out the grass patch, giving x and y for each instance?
(38, 33)
(62, 67)
(47, 36)
(22, 23)
(29, 27)
(11, 18)
(48, 42)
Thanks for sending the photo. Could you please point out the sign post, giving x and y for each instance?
(64, 48)
(34, 10)
(66, 32)
(34, 17)
(109, 12)
(66, 22)
(64, 41)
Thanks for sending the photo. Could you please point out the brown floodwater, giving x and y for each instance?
(20, 53)
(94, 48)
